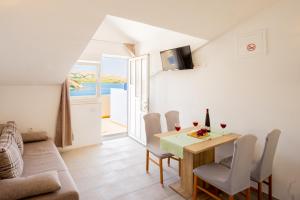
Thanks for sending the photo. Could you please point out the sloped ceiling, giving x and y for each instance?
(108, 39)
(140, 32)
(107, 31)
(41, 39)
(115, 31)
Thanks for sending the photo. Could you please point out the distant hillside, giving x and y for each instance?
(83, 78)
(112, 79)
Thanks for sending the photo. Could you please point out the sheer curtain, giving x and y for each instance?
(63, 136)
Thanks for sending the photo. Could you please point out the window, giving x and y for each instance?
(84, 80)
(113, 74)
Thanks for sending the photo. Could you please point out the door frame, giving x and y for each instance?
(148, 92)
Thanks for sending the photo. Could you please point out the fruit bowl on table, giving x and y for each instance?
(202, 133)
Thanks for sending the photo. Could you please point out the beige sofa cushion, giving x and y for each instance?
(37, 184)
(43, 156)
(11, 162)
(34, 137)
(12, 127)
(2, 127)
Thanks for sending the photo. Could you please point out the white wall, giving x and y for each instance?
(33, 107)
(36, 107)
(166, 40)
(253, 94)
(118, 105)
(86, 124)
(158, 87)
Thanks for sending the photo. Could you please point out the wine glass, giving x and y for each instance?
(177, 126)
(195, 123)
(223, 126)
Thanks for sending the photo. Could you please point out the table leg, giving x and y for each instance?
(189, 162)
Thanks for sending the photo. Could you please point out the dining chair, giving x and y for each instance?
(172, 117)
(230, 180)
(153, 126)
(262, 168)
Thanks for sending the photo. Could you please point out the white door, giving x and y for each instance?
(138, 97)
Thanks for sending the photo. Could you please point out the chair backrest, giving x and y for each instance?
(172, 117)
(263, 169)
(239, 178)
(152, 126)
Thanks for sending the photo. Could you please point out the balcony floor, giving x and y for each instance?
(111, 128)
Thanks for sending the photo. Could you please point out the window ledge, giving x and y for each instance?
(84, 100)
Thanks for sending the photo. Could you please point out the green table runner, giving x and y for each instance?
(175, 143)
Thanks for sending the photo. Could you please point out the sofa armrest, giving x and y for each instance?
(34, 136)
(23, 187)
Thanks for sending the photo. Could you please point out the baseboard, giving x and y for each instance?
(70, 148)
(114, 136)
(264, 194)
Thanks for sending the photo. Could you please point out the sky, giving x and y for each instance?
(84, 68)
(109, 66)
(114, 66)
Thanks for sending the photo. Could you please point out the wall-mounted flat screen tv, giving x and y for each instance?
(177, 59)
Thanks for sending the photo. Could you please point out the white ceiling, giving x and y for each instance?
(107, 40)
(40, 40)
(110, 32)
(115, 31)
(140, 32)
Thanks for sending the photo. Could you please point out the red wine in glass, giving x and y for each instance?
(195, 123)
(177, 127)
(223, 125)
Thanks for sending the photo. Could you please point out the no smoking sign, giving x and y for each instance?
(251, 47)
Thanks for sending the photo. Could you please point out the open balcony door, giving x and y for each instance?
(138, 102)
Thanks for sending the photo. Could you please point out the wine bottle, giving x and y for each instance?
(207, 120)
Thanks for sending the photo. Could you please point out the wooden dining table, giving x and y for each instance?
(195, 155)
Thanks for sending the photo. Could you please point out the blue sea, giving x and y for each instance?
(89, 89)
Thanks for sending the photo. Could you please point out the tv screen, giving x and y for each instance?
(177, 59)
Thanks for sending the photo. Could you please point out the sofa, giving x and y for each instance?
(42, 166)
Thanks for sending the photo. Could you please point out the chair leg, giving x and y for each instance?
(147, 161)
(179, 166)
(259, 191)
(195, 187)
(204, 184)
(231, 197)
(216, 191)
(248, 194)
(161, 171)
(270, 188)
(168, 162)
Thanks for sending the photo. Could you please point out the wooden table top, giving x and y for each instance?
(204, 145)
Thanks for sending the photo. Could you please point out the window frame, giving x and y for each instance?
(88, 99)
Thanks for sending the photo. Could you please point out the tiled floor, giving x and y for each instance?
(115, 170)
(109, 127)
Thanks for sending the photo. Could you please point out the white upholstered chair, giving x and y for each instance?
(153, 126)
(230, 180)
(262, 168)
(172, 117)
